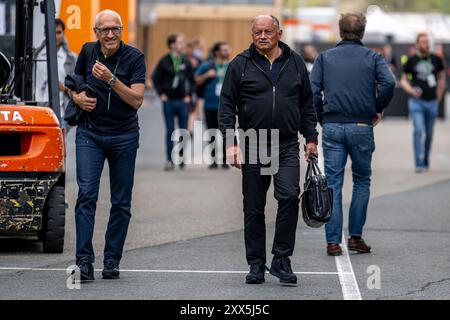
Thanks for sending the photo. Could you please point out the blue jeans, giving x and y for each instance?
(424, 115)
(341, 140)
(91, 152)
(172, 109)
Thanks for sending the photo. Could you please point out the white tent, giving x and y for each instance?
(380, 25)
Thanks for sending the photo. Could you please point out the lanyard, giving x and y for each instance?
(114, 72)
(221, 71)
(177, 62)
(118, 60)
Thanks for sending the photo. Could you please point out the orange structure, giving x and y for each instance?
(79, 16)
(35, 139)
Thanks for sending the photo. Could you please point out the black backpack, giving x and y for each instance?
(317, 197)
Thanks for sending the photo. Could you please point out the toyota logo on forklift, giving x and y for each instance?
(32, 152)
(11, 116)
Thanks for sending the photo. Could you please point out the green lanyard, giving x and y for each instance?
(177, 62)
(118, 61)
(114, 72)
(221, 71)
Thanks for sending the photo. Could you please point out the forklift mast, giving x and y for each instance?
(24, 51)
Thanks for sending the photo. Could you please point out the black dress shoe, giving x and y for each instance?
(111, 270)
(281, 268)
(86, 270)
(256, 274)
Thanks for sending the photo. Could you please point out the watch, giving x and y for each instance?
(113, 81)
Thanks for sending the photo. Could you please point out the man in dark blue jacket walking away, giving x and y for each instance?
(352, 85)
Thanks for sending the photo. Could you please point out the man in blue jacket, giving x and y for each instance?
(352, 85)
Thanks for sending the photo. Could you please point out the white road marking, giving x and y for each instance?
(161, 271)
(347, 278)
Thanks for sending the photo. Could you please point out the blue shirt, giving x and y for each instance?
(117, 117)
(213, 85)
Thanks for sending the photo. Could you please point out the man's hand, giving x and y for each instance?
(377, 119)
(311, 148)
(62, 88)
(164, 98)
(84, 102)
(101, 72)
(211, 73)
(234, 157)
(416, 92)
(187, 100)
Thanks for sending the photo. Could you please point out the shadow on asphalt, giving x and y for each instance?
(20, 246)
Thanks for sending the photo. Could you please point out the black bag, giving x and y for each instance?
(317, 197)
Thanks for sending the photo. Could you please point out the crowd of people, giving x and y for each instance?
(268, 87)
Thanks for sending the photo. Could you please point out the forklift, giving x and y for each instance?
(32, 142)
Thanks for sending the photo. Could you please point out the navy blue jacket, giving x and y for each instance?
(351, 84)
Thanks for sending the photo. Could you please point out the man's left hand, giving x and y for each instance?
(377, 119)
(101, 72)
(311, 148)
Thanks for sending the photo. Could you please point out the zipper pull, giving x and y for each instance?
(109, 99)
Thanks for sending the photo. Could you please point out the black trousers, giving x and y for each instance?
(287, 192)
(212, 121)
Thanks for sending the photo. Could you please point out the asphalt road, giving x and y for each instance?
(186, 240)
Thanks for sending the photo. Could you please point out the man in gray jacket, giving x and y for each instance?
(352, 85)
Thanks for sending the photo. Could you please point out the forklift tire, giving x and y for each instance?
(53, 230)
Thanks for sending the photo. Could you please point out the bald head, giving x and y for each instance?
(107, 15)
(266, 18)
(108, 30)
(266, 33)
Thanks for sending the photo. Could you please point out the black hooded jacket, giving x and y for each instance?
(249, 93)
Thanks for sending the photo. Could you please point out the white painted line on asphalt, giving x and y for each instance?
(162, 271)
(347, 278)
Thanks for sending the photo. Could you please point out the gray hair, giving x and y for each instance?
(275, 20)
(106, 12)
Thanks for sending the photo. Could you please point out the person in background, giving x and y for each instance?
(352, 85)
(310, 55)
(211, 75)
(173, 79)
(424, 80)
(196, 104)
(66, 65)
(389, 57)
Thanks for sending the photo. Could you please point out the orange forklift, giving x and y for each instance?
(32, 145)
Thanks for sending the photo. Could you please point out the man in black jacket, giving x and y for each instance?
(267, 87)
(174, 82)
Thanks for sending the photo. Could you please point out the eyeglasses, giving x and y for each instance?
(268, 33)
(105, 31)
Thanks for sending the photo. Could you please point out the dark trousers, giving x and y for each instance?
(287, 191)
(212, 122)
(91, 152)
(174, 109)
